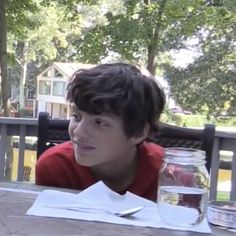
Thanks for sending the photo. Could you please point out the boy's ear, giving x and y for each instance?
(140, 138)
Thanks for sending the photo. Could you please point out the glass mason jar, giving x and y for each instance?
(183, 187)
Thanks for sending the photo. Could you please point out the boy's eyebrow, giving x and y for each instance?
(73, 108)
(108, 117)
(102, 115)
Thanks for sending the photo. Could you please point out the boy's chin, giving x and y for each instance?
(83, 161)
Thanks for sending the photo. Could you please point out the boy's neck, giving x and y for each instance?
(118, 176)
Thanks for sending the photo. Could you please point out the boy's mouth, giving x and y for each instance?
(84, 146)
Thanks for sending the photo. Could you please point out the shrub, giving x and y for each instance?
(179, 119)
(26, 113)
(195, 120)
(164, 118)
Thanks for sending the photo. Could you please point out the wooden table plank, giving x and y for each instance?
(15, 222)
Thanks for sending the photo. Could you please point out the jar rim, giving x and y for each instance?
(183, 155)
(184, 152)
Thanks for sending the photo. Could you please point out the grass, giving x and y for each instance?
(222, 196)
(223, 175)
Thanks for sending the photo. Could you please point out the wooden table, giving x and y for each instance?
(15, 222)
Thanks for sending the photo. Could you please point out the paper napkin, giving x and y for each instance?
(99, 196)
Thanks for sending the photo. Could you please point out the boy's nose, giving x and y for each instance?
(81, 129)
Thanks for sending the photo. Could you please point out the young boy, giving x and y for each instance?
(114, 108)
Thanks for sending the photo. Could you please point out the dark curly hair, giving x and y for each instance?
(120, 89)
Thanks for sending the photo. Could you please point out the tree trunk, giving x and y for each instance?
(4, 84)
(22, 85)
(3, 59)
(151, 66)
(154, 39)
(23, 75)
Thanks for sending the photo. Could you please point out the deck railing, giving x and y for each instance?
(224, 141)
(27, 127)
(22, 127)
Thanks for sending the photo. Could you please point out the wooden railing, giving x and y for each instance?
(21, 127)
(24, 127)
(223, 141)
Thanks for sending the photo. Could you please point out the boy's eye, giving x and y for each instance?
(100, 122)
(76, 116)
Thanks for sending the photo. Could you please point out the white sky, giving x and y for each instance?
(183, 57)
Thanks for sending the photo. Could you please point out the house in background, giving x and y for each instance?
(51, 89)
(29, 102)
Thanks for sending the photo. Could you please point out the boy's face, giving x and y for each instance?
(99, 139)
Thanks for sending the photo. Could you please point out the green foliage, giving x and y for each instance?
(211, 79)
(223, 196)
(25, 113)
(225, 121)
(197, 120)
(50, 33)
(164, 118)
(45, 29)
(17, 15)
(140, 32)
(179, 119)
(232, 108)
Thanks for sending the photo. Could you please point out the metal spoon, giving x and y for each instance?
(124, 213)
(129, 212)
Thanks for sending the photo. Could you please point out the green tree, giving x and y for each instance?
(12, 18)
(211, 79)
(41, 42)
(142, 30)
(20, 23)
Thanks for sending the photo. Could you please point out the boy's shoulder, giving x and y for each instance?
(149, 148)
(63, 149)
(151, 153)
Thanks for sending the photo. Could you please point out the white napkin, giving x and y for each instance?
(99, 196)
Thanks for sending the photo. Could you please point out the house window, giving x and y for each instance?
(58, 88)
(58, 74)
(48, 74)
(44, 87)
(30, 94)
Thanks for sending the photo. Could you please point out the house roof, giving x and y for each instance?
(70, 68)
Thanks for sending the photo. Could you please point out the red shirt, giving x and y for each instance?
(57, 167)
